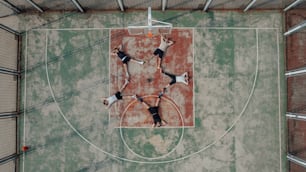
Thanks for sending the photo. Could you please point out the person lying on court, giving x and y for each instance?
(177, 79)
(124, 58)
(108, 101)
(160, 51)
(157, 121)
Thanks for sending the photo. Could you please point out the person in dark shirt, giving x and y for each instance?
(124, 58)
(157, 121)
(183, 78)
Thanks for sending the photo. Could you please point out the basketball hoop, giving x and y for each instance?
(150, 34)
(150, 27)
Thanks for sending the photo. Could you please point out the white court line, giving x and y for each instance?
(279, 104)
(25, 95)
(193, 96)
(109, 75)
(71, 29)
(151, 162)
(239, 28)
(150, 127)
(204, 27)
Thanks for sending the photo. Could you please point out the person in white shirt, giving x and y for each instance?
(183, 78)
(108, 101)
(124, 58)
(160, 51)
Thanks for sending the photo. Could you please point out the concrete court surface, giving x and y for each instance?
(238, 96)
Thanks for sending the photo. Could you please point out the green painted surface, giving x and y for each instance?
(233, 132)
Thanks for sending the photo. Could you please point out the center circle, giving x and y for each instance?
(164, 155)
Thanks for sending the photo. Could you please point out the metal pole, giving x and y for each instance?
(149, 17)
(8, 115)
(11, 6)
(9, 29)
(296, 116)
(295, 3)
(77, 4)
(296, 160)
(164, 3)
(8, 71)
(8, 158)
(295, 28)
(249, 6)
(35, 6)
(296, 72)
(207, 5)
(120, 4)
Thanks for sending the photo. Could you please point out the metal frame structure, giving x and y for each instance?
(296, 116)
(208, 2)
(295, 28)
(293, 4)
(9, 29)
(249, 5)
(35, 5)
(296, 72)
(150, 27)
(77, 4)
(10, 6)
(296, 160)
(13, 114)
(164, 4)
(120, 3)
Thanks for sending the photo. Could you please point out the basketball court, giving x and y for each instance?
(228, 118)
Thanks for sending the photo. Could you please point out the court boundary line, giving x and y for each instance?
(155, 162)
(109, 73)
(150, 162)
(203, 27)
(193, 92)
(25, 96)
(279, 103)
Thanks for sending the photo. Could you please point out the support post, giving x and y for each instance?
(296, 72)
(296, 116)
(8, 71)
(9, 29)
(296, 160)
(208, 2)
(164, 4)
(295, 28)
(77, 4)
(149, 17)
(120, 5)
(293, 4)
(35, 6)
(8, 115)
(8, 158)
(249, 6)
(10, 6)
